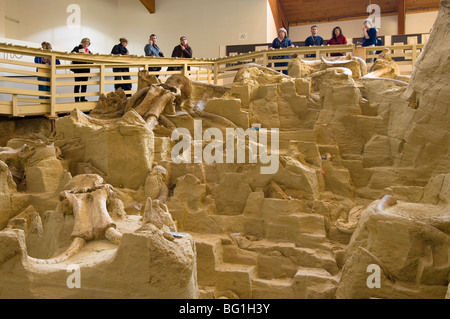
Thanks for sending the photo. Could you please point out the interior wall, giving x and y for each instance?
(46, 20)
(420, 22)
(207, 23)
(2, 18)
(415, 23)
(271, 25)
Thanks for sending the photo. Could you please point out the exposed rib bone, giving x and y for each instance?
(77, 244)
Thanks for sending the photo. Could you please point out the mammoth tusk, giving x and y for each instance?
(386, 202)
(77, 244)
(428, 231)
(389, 274)
(398, 82)
(214, 119)
(344, 230)
(113, 236)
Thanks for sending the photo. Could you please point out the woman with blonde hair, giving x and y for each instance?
(46, 61)
(83, 48)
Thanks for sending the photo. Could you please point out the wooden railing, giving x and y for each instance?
(406, 54)
(226, 68)
(20, 76)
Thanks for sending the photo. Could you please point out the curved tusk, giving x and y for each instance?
(113, 236)
(387, 272)
(77, 244)
(386, 202)
(344, 230)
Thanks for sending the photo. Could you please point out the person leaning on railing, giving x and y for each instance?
(46, 61)
(121, 49)
(313, 40)
(337, 38)
(370, 37)
(152, 49)
(83, 48)
(183, 50)
(282, 42)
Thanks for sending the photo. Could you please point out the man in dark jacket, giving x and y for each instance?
(83, 49)
(183, 50)
(121, 49)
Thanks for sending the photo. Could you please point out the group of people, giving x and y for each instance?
(183, 50)
(337, 38)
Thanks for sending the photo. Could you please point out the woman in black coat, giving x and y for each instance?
(83, 49)
(121, 49)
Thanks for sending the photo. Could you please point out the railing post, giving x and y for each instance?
(209, 76)
(414, 55)
(15, 105)
(53, 87)
(102, 79)
(265, 59)
(185, 70)
(216, 73)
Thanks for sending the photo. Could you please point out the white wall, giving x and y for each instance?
(420, 22)
(2, 18)
(415, 23)
(271, 26)
(46, 20)
(207, 23)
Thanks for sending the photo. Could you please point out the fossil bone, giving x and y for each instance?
(86, 197)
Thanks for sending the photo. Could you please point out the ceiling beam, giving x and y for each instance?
(401, 8)
(278, 14)
(355, 17)
(150, 5)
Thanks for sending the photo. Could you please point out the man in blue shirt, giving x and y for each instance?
(370, 37)
(313, 40)
(152, 49)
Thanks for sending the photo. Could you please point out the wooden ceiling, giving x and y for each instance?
(299, 12)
